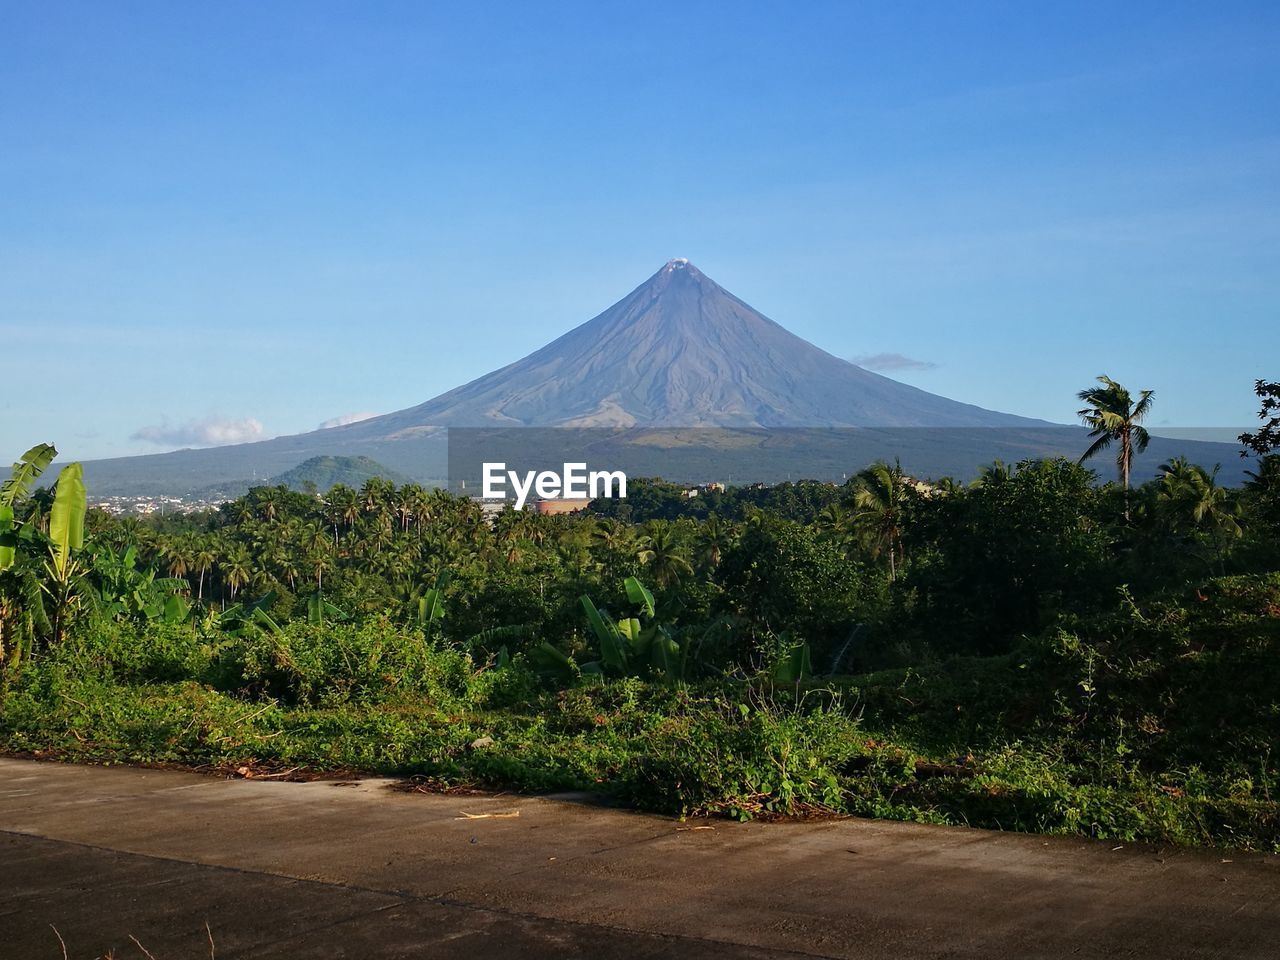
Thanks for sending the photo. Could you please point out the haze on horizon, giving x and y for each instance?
(230, 223)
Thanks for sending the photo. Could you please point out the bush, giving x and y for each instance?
(153, 652)
(372, 662)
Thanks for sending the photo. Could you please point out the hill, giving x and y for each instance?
(325, 472)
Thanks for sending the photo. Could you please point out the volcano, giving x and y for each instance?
(679, 351)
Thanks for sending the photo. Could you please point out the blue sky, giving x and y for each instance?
(221, 214)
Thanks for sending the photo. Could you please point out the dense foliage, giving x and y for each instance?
(1033, 651)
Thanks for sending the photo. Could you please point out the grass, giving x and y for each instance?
(690, 752)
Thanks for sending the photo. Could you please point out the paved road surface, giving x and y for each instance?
(363, 871)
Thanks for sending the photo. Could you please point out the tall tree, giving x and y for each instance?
(204, 556)
(1114, 417)
(878, 502)
(663, 553)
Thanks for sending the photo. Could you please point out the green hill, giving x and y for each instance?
(326, 472)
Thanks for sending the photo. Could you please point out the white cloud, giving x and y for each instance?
(343, 420)
(891, 361)
(209, 432)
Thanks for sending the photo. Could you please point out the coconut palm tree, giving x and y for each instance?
(1266, 478)
(714, 537)
(663, 553)
(178, 555)
(203, 556)
(997, 471)
(1194, 499)
(1113, 416)
(237, 567)
(832, 523)
(878, 504)
(345, 504)
(319, 561)
(269, 502)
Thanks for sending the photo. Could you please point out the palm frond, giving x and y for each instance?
(1103, 441)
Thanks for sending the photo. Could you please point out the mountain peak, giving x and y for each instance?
(680, 265)
(680, 350)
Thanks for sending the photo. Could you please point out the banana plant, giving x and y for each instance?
(125, 592)
(241, 618)
(22, 613)
(431, 604)
(634, 645)
(794, 666)
(66, 539)
(319, 610)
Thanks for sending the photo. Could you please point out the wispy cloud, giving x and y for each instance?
(346, 418)
(892, 361)
(209, 432)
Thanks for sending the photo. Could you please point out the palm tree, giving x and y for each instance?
(878, 504)
(832, 522)
(997, 471)
(1195, 499)
(1267, 477)
(345, 504)
(511, 531)
(421, 504)
(375, 494)
(314, 539)
(237, 568)
(178, 554)
(269, 499)
(1113, 416)
(320, 561)
(713, 537)
(203, 557)
(660, 550)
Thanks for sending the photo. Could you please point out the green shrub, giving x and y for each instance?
(371, 662)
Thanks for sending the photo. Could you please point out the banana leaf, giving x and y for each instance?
(319, 609)
(795, 666)
(629, 628)
(176, 609)
(8, 537)
(664, 656)
(549, 662)
(66, 517)
(26, 471)
(430, 607)
(639, 594)
(612, 653)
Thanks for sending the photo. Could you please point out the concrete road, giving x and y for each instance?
(361, 870)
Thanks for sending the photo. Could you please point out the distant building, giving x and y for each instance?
(553, 507)
(491, 508)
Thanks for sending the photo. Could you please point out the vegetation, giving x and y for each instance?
(321, 474)
(1267, 437)
(1034, 651)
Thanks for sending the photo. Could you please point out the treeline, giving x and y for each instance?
(881, 571)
